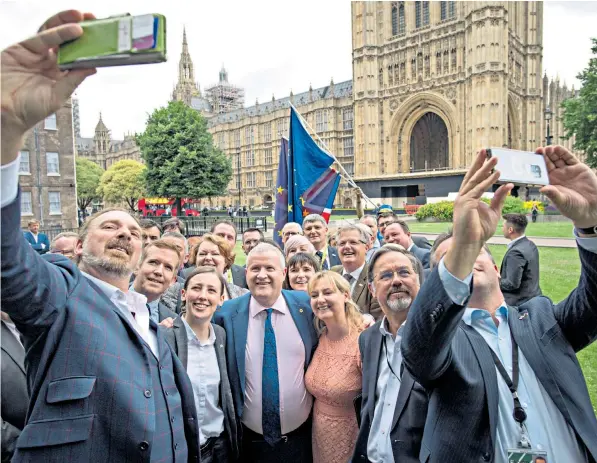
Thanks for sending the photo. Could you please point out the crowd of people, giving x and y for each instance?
(132, 342)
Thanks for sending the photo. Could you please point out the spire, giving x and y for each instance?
(186, 87)
(223, 74)
(101, 127)
(184, 38)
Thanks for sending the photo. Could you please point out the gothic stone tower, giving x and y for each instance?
(436, 81)
(186, 87)
(102, 142)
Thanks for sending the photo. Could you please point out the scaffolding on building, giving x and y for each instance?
(223, 96)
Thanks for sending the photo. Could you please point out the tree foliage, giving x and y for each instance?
(181, 159)
(88, 180)
(124, 181)
(580, 113)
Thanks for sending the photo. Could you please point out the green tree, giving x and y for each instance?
(181, 159)
(580, 113)
(88, 180)
(123, 181)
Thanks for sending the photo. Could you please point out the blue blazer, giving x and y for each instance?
(41, 239)
(454, 363)
(88, 371)
(234, 317)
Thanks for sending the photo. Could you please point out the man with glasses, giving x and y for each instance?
(393, 407)
(65, 244)
(174, 225)
(290, 229)
(353, 242)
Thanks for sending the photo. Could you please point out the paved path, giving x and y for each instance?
(540, 242)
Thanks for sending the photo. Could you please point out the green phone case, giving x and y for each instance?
(108, 42)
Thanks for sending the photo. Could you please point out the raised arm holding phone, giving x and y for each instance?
(104, 384)
(504, 381)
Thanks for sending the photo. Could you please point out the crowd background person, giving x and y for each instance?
(200, 346)
(227, 229)
(66, 244)
(150, 230)
(295, 244)
(216, 252)
(38, 241)
(334, 375)
(301, 268)
(291, 229)
(315, 228)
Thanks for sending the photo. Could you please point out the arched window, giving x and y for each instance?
(394, 18)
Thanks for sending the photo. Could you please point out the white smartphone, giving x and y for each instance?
(520, 167)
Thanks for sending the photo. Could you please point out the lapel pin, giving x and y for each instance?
(524, 315)
(301, 310)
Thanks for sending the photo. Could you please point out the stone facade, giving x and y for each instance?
(105, 151)
(47, 173)
(434, 82)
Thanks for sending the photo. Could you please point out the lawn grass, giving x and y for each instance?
(542, 229)
(560, 269)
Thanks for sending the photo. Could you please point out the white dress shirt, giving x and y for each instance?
(516, 239)
(204, 372)
(355, 276)
(295, 401)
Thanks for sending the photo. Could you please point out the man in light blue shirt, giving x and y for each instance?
(454, 333)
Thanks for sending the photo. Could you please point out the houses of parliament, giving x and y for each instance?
(433, 82)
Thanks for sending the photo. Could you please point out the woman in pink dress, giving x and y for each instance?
(334, 375)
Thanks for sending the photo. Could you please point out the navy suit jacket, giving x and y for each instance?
(234, 317)
(421, 254)
(88, 371)
(41, 239)
(454, 364)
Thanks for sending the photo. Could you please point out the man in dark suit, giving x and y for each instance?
(150, 230)
(315, 229)
(155, 273)
(394, 406)
(353, 242)
(15, 398)
(520, 265)
(105, 385)
(500, 376)
(398, 232)
(270, 339)
(386, 218)
(227, 230)
(38, 241)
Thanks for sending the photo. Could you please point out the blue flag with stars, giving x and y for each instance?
(312, 182)
(281, 211)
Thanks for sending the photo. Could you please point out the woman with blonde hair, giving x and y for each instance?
(214, 251)
(334, 376)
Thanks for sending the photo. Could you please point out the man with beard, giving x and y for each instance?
(105, 385)
(394, 406)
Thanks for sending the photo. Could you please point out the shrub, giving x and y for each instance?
(442, 211)
(528, 206)
(513, 205)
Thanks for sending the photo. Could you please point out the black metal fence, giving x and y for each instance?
(202, 225)
(51, 233)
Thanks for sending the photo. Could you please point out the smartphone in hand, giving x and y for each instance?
(520, 167)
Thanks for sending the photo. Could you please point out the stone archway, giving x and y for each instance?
(429, 146)
(347, 203)
(267, 199)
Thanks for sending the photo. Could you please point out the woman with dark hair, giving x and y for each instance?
(300, 268)
(199, 345)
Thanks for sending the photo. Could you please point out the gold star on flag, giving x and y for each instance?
(280, 190)
(302, 201)
(290, 208)
(279, 232)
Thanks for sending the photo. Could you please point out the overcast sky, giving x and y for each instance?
(268, 47)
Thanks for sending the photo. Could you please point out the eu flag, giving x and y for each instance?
(281, 211)
(312, 183)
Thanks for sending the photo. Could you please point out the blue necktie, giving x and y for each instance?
(270, 386)
(324, 263)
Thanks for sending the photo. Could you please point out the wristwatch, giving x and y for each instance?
(588, 231)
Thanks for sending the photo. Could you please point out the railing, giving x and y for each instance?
(202, 225)
(51, 233)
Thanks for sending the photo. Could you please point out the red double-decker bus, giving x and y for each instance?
(155, 207)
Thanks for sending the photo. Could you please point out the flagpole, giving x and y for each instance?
(329, 152)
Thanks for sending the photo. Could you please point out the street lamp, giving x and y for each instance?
(239, 182)
(548, 115)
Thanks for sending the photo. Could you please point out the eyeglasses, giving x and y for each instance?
(351, 243)
(67, 253)
(388, 275)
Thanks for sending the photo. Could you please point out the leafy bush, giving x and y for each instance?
(513, 205)
(528, 206)
(442, 211)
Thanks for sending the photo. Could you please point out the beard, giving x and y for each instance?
(398, 305)
(115, 266)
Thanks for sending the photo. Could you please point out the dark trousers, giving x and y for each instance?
(294, 447)
(216, 450)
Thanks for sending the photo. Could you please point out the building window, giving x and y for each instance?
(283, 128)
(250, 177)
(54, 200)
(394, 18)
(247, 135)
(321, 121)
(421, 14)
(451, 9)
(425, 13)
(448, 10)
(348, 147)
(250, 158)
(24, 167)
(269, 180)
(401, 19)
(268, 157)
(237, 139)
(349, 168)
(52, 163)
(221, 140)
(267, 132)
(347, 119)
(50, 122)
(26, 206)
